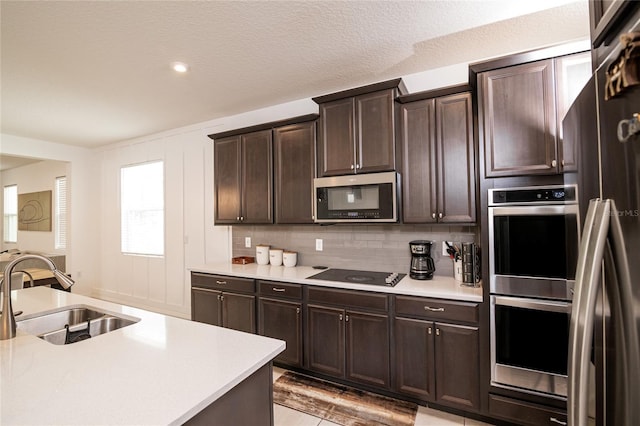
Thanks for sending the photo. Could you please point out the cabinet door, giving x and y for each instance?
(457, 366)
(325, 334)
(238, 312)
(294, 172)
(205, 306)
(336, 149)
(419, 162)
(518, 119)
(375, 132)
(415, 357)
(368, 348)
(572, 74)
(283, 320)
(227, 184)
(257, 178)
(456, 160)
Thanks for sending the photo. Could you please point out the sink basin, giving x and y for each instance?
(73, 324)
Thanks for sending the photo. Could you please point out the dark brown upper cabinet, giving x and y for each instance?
(294, 153)
(438, 161)
(357, 129)
(608, 20)
(520, 110)
(244, 178)
(244, 172)
(517, 119)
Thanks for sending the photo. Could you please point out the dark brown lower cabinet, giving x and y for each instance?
(437, 351)
(230, 310)
(525, 413)
(438, 362)
(349, 344)
(282, 319)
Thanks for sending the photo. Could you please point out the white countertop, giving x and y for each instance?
(161, 370)
(439, 287)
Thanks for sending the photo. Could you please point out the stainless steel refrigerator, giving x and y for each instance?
(604, 335)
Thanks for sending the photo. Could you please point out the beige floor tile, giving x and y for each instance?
(328, 423)
(284, 416)
(430, 417)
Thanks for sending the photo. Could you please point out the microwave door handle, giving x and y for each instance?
(583, 312)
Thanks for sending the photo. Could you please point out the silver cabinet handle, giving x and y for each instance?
(346, 318)
(554, 420)
(340, 317)
(439, 215)
(437, 331)
(429, 308)
(220, 282)
(279, 290)
(562, 163)
(241, 218)
(433, 215)
(237, 217)
(222, 297)
(358, 166)
(554, 163)
(352, 167)
(429, 330)
(297, 310)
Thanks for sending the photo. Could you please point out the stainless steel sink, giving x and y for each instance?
(73, 324)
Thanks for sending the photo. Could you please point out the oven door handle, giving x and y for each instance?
(527, 303)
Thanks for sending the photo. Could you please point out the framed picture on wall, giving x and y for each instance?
(34, 211)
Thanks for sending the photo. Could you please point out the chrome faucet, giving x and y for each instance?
(7, 319)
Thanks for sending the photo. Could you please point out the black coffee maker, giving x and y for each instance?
(422, 266)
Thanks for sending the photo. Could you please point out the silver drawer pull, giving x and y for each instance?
(429, 308)
(554, 420)
(220, 282)
(281, 290)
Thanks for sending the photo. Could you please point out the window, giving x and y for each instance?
(11, 214)
(60, 216)
(142, 209)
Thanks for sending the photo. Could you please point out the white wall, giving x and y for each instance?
(82, 257)
(36, 177)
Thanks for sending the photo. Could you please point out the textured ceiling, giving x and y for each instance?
(90, 73)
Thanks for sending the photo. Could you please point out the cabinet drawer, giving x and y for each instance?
(356, 299)
(437, 309)
(221, 282)
(525, 413)
(278, 289)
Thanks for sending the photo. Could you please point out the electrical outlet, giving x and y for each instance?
(247, 242)
(318, 244)
(444, 249)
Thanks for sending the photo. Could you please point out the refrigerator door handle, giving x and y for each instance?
(588, 273)
(622, 292)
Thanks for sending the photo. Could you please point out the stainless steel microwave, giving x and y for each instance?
(371, 197)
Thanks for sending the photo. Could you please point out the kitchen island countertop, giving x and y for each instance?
(161, 370)
(440, 287)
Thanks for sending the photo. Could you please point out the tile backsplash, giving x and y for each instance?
(383, 248)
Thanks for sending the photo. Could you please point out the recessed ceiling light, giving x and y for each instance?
(180, 67)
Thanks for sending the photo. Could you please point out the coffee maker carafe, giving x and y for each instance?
(422, 266)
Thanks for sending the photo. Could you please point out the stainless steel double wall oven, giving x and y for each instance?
(533, 250)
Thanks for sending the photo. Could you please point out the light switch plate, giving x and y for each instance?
(444, 249)
(318, 244)
(247, 242)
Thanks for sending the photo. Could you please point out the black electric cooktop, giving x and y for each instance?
(359, 277)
